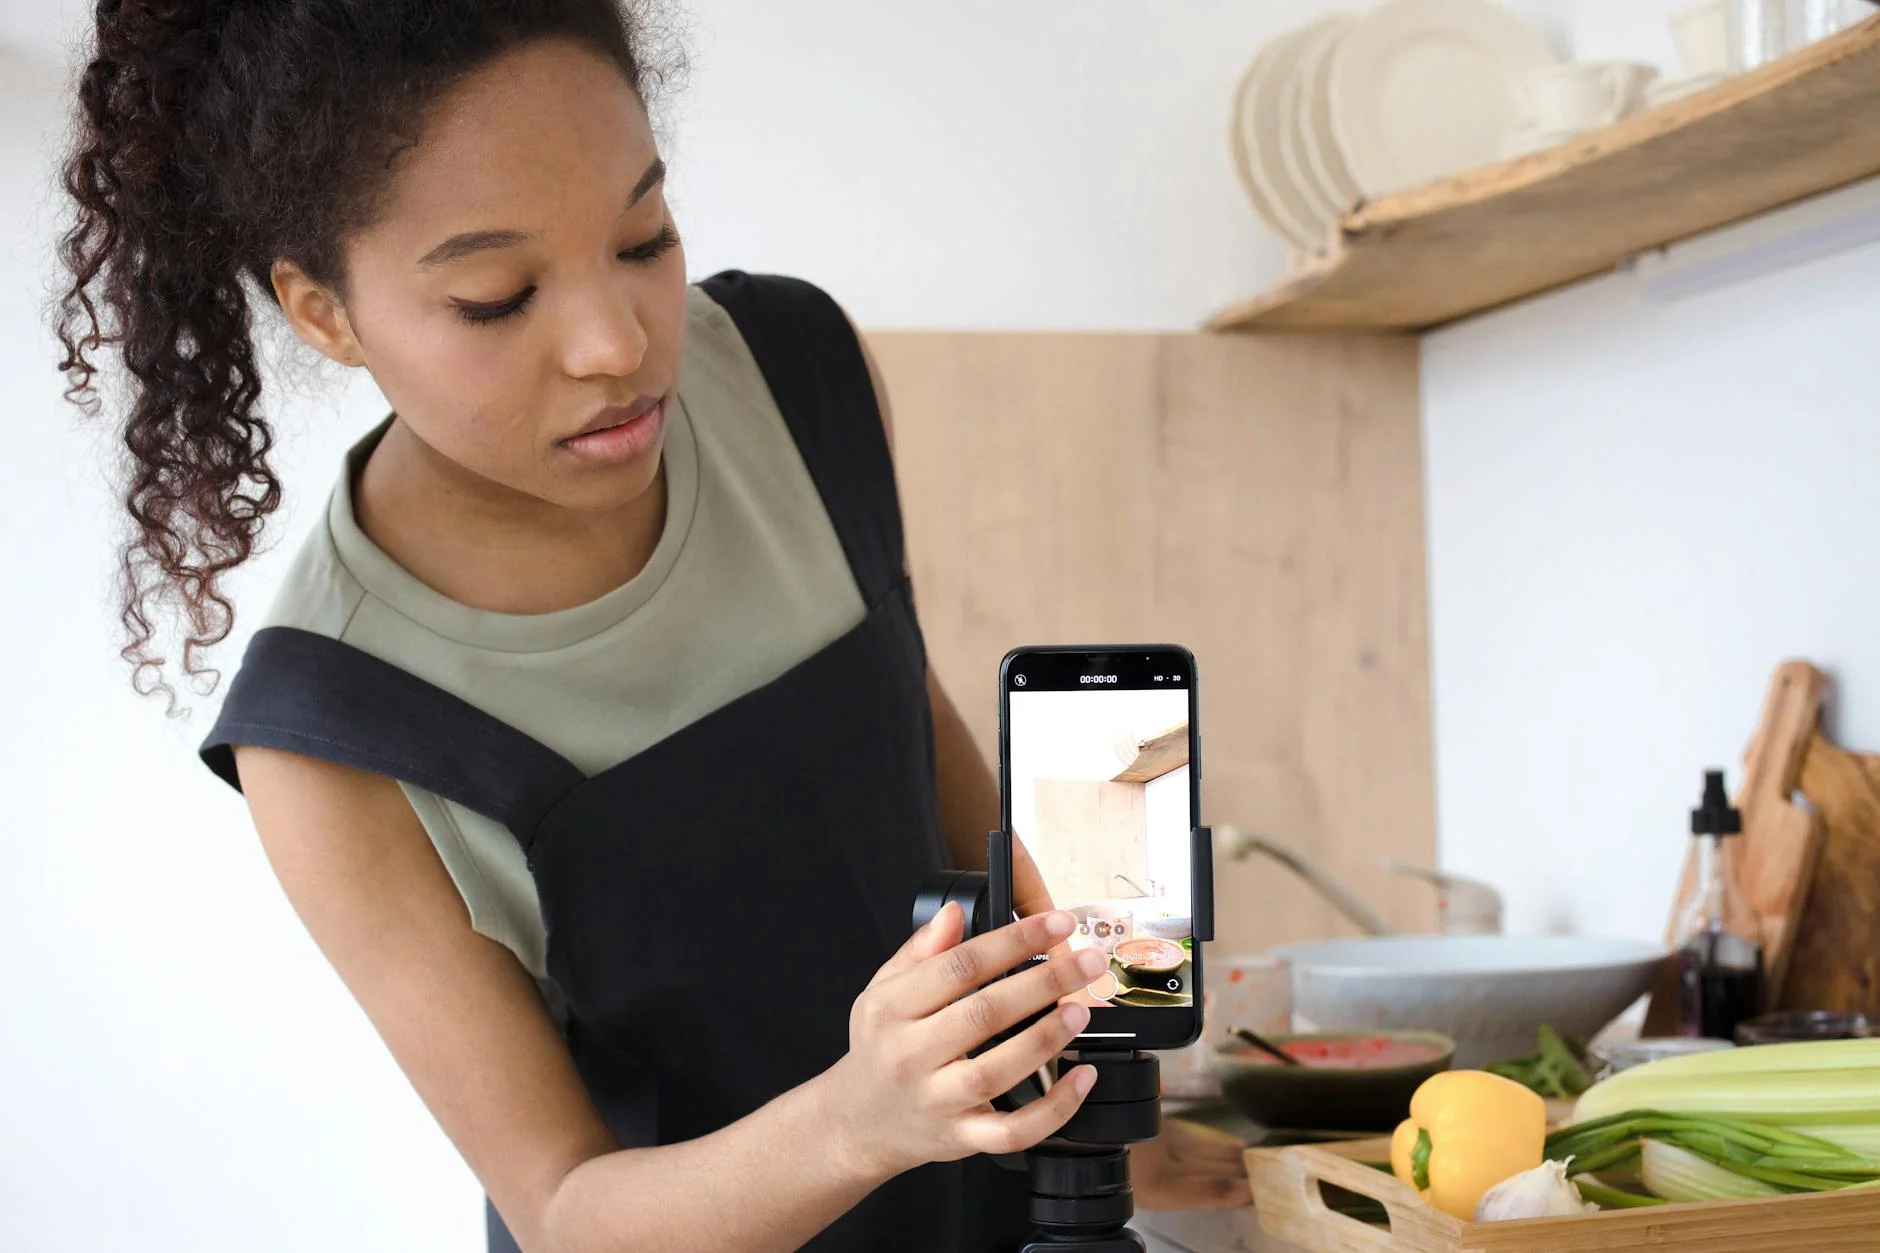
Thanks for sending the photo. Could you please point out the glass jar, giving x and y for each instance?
(1625, 1054)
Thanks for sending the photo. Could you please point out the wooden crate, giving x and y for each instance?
(1290, 1206)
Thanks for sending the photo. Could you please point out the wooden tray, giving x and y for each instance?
(1290, 1206)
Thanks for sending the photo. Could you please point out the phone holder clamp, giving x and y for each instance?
(1081, 1199)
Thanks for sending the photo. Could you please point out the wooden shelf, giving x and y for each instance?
(1157, 756)
(1416, 259)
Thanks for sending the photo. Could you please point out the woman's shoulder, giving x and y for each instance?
(783, 338)
(740, 315)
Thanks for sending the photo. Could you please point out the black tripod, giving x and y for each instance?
(1080, 1193)
(1081, 1200)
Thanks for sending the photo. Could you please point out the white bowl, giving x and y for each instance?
(1173, 927)
(1489, 993)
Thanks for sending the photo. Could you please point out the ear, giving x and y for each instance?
(316, 314)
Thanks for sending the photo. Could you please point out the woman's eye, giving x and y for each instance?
(654, 248)
(481, 314)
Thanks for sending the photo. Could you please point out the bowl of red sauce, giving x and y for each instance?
(1346, 1080)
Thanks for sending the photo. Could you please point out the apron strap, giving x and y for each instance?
(310, 694)
(811, 359)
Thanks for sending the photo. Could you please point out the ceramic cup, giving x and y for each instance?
(1758, 31)
(1581, 96)
(1805, 21)
(1243, 990)
(1701, 32)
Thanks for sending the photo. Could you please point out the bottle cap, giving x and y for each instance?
(1715, 816)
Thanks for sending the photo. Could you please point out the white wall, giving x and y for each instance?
(984, 164)
(1636, 510)
(183, 1070)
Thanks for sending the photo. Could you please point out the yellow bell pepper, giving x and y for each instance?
(1468, 1130)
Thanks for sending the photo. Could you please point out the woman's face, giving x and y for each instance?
(520, 298)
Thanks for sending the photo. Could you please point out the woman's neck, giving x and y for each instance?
(492, 548)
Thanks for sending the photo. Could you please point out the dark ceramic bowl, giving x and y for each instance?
(1326, 1098)
(1789, 1025)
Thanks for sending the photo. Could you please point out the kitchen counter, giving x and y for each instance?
(1205, 1231)
(1209, 1231)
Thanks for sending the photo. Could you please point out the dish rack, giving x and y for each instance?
(1290, 1205)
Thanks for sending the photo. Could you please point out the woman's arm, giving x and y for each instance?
(967, 791)
(969, 803)
(466, 1024)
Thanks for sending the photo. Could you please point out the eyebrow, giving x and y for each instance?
(457, 247)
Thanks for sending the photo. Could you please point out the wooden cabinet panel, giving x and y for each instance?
(1257, 498)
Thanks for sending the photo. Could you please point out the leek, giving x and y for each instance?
(1754, 1148)
(1859, 1137)
(1677, 1175)
(1733, 1123)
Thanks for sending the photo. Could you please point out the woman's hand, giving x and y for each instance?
(1030, 896)
(1189, 1166)
(907, 1094)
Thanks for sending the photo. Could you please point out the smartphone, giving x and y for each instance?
(1100, 782)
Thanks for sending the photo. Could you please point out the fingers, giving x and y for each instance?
(941, 979)
(970, 1021)
(940, 933)
(996, 1133)
(975, 1080)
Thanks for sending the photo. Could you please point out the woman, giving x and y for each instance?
(591, 733)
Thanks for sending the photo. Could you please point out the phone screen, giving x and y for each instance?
(1101, 788)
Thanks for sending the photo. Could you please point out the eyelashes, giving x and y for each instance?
(640, 254)
(480, 314)
(654, 248)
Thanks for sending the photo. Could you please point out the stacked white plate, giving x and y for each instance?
(1353, 107)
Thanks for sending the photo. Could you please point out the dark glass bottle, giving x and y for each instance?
(1719, 939)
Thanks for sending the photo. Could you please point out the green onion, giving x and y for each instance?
(1734, 1123)
(1607, 1197)
(1677, 1175)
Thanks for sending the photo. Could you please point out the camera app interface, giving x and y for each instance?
(1100, 796)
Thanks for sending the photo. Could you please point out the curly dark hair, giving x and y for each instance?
(214, 137)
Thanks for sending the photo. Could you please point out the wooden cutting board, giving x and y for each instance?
(1776, 856)
(1834, 963)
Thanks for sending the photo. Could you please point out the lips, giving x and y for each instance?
(619, 435)
(616, 415)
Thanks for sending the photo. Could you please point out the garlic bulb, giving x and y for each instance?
(1542, 1192)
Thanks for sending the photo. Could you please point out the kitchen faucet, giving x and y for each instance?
(1466, 906)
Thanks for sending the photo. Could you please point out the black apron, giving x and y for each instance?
(714, 904)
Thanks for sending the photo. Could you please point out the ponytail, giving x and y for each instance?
(156, 274)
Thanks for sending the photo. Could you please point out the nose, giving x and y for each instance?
(602, 333)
